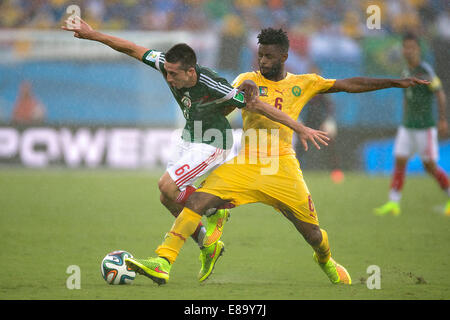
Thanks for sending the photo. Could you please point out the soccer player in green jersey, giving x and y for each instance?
(204, 98)
(418, 132)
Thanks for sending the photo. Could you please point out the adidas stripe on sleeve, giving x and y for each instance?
(224, 92)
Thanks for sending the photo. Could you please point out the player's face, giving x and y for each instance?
(270, 60)
(411, 50)
(177, 77)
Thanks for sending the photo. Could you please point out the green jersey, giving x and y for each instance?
(203, 104)
(418, 100)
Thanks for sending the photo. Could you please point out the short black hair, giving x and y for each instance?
(411, 36)
(277, 37)
(183, 53)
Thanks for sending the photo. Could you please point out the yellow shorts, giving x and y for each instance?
(284, 189)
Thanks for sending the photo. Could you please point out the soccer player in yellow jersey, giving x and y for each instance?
(267, 170)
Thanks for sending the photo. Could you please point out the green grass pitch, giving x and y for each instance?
(51, 219)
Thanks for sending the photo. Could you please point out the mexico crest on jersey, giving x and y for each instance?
(186, 101)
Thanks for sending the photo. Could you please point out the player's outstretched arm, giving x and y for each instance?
(304, 133)
(83, 30)
(364, 84)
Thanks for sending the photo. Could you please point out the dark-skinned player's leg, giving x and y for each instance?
(317, 238)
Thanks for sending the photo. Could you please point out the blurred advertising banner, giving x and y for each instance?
(378, 158)
(89, 147)
(40, 147)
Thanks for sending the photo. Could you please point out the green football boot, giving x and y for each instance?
(214, 226)
(212, 248)
(334, 271)
(208, 258)
(157, 269)
(389, 207)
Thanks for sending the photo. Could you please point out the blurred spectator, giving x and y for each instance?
(403, 16)
(299, 60)
(191, 16)
(443, 24)
(351, 25)
(11, 14)
(159, 15)
(216, 10)
(232, 40)
(27, 109)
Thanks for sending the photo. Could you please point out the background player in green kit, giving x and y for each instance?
(207, 140)
(418, 132)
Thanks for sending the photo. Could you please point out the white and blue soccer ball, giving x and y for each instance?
(114, 270)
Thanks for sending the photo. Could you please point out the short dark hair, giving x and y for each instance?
(276, 37)
(411, 36)
(183, 53)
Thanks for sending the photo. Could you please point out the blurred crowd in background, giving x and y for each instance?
(330, 37)
(345, 17)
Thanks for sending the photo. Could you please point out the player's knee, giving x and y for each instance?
(163, 199)
(167, 188)
(166, 202)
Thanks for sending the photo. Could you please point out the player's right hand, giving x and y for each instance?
(250, 89)
(410, 82)
(80, 28)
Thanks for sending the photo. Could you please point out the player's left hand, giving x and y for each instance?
(306, 134)
(410, 82)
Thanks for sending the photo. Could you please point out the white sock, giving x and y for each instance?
(210, 212)
(201, 236)
(395, 195)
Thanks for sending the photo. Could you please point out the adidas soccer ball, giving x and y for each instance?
(114, 270)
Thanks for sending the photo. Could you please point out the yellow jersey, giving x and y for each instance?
(262, 135)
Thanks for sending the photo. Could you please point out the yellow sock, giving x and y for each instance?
(323, 252)
(184, 226)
